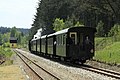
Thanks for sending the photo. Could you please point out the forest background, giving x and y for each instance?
(59, 14)
(19, 33)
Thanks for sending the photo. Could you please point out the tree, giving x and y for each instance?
(87, 12)
(115, 32)
(19, 37)
(0, 39)
(6, 37)
(13, 32)
(114, 7)
(100, 30)
(68, 23)
(58, 24)
(48, 11)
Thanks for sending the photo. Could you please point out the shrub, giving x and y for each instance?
(115, 33)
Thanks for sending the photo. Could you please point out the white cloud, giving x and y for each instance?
(19, 13)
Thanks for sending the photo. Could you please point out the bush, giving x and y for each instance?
(115, 33)
(6, 51)
(100, 29)
(58, 24)
(6, 44)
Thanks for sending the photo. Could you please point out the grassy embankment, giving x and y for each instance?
(6, 53)
(107, 50)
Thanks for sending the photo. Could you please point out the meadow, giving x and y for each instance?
(107, 50)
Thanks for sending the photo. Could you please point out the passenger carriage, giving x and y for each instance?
(74, 44)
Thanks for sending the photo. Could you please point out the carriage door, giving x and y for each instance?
(73, 44)
(73, 37)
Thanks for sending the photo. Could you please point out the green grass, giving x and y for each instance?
(102, 42)
(110, 54)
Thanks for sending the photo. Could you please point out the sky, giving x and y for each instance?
(19, 13)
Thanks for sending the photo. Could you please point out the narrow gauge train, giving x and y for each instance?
(71, 44)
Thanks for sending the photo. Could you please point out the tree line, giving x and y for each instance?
(100, 14)
(7, 29)
(20, 34)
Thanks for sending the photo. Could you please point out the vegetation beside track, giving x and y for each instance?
(109, 54)
(6, 54)
(108, 48)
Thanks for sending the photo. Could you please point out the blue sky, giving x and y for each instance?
(19, 13)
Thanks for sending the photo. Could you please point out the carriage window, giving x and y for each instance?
(64, 39)
(73, 36)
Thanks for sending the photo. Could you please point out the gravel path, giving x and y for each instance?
(66, 72)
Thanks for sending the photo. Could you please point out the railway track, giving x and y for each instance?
(37, 70)
(102, 71)
(109, 73)
(105, 72)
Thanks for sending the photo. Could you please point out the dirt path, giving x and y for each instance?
(11, 72)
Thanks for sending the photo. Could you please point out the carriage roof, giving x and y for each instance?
(59, 32)
(74, 29)
(85, 29)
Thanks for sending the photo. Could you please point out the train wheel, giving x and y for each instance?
(83, 61)
(72, 61)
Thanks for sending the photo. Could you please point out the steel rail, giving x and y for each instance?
(39, 66)
(109, 73)
(28, 65)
